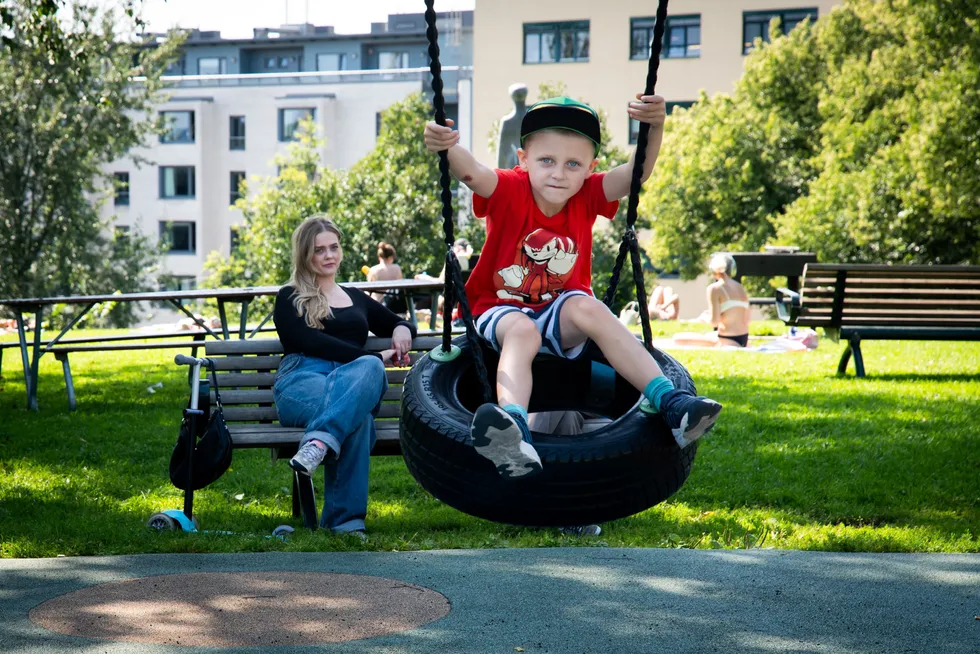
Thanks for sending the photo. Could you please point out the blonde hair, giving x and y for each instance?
(722, 263)
(308, 299)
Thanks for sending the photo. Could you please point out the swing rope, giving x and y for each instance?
(630, 242)
(453, 290)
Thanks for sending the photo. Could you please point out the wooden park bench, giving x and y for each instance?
(246, 371)
(860, 302)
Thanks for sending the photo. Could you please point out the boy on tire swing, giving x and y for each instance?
(531, 292)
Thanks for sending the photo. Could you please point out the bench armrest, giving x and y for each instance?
(787, 305)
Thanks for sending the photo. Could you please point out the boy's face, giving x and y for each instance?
(558, 163)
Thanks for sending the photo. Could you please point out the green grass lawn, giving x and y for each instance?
(800, 459)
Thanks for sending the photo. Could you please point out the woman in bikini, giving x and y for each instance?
(728, 309)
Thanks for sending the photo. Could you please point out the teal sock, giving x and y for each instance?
(656, 389)
(516, 409)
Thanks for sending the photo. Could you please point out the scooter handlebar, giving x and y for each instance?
(184, 360)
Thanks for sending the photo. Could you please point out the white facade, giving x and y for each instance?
(346, 106)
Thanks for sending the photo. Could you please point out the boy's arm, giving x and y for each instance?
(462, 164)
(651, 109)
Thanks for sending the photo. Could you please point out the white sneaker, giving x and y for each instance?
(308, 457)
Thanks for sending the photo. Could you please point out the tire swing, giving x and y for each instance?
(625, 466)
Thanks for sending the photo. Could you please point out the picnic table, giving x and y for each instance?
(241, 296)
(775, 262)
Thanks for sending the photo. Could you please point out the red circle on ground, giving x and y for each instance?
(244, 609)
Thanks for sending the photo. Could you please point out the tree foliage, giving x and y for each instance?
(391, 194)
(68, 105)
(855, 137)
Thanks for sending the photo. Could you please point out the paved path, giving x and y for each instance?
(573, 600)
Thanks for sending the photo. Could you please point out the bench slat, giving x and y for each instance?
(966, 283)
(276, 436)
(264, 396)
(825, 321)
(888, 269)
(253, 413)
(267, 379)
(895, 312)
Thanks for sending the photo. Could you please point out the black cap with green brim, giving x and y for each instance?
(562, 113)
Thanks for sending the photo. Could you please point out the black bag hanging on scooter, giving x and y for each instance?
(213, 449)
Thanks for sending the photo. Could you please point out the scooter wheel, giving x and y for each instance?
(162, 522)
(282, 530)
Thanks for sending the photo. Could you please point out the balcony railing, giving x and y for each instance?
(450, 76)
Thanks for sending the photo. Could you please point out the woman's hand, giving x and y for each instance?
(401, 342)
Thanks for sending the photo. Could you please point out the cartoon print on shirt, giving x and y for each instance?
(546, 259)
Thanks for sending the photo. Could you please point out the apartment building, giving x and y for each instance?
(235, 103)
(600, 51)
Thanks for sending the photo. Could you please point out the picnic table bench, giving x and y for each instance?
(859, 302)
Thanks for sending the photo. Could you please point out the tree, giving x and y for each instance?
(392, 194)
(854, 137)
(279, 204)
(69, 105)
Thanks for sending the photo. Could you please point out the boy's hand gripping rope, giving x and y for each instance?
(629, 242)
(453, 290)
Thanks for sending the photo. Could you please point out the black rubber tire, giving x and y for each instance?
(620, 469)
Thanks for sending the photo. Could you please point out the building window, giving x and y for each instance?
(176, 182)
(237, 177)
(236, 133)
(755, 24)
(211, 66)
(289, 120)
(175, 67)
(179, 126)
(179, 237)
(551, 42)
(122, 232)
(234, 241)
(177, 283)
(377, 124)
(121, 181)
(388, 60)
(635, 124)
(682, 37)
(330, 61)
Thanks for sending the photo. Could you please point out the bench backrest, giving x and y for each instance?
(840, 295)
(246, 371)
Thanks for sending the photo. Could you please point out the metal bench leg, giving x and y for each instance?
(69, 384)
(844, 358)
(858, 357)
(307, 500)
(295, 497)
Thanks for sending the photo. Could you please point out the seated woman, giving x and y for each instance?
(664, 304)
(387, 270)
(728, 309)
(327, 383)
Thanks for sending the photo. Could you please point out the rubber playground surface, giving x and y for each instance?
(575, 599)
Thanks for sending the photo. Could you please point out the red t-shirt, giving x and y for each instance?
(528, 258)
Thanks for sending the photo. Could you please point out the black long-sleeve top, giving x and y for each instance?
(342, 338)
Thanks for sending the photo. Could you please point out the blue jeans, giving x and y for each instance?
(336, 403)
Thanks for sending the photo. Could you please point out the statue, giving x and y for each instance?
(510, 128)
